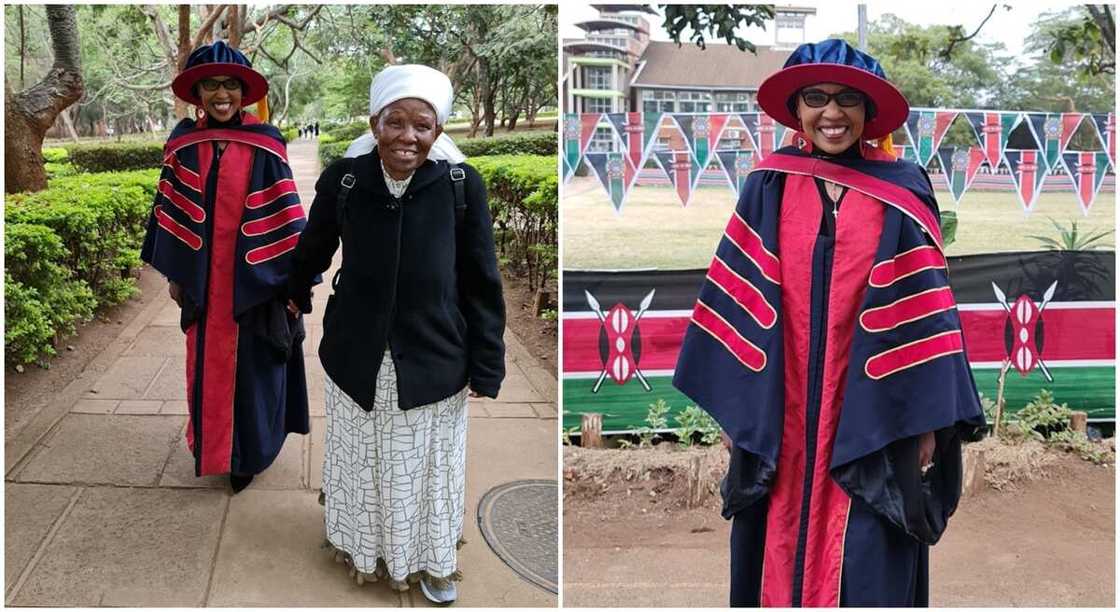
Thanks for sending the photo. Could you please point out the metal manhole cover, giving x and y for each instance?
(518, 520)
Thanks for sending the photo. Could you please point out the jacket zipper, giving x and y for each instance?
(399, 210)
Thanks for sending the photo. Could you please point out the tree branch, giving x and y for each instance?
(1102, 15)
(211, 19)
(947, 52)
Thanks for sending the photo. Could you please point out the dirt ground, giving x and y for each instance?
(538, 335)
(629, 540)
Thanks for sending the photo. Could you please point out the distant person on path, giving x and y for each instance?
(225, 220)
(316, 129)
(414, 326)
(827, 344)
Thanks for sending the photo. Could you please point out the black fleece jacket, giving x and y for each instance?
(411, 279)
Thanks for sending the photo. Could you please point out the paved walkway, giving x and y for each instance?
(102, 507)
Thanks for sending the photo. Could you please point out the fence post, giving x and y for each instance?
(591, 430)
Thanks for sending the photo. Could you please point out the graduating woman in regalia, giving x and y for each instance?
(225, 220)
(826, 342)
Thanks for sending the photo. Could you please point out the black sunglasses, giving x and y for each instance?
(815, 98)
(214, 84)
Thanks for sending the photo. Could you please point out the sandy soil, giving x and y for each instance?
(538, 335)
(631, 542)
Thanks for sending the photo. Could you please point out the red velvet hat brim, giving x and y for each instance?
(891, 107)
(255, 85)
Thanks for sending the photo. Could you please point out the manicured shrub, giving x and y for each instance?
(344, 133)
(329, 153)
(55, 154)
(513, 143)
(116, 156)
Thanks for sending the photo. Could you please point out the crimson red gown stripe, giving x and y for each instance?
(177, 230)
(272, 251)
(890, 271)
(194, 211)
(913, 353)
(185, 175)
(710, 321)
(265, 196)
(274, 221)
(907, 309)
(743, 292)
(239, 136)
(750, 243)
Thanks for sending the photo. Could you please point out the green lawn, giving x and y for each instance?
(655, 231)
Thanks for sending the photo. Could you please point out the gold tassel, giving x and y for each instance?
(887, 145)
(262, 109)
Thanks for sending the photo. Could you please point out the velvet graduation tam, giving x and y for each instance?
(219, 59)
(834, 61)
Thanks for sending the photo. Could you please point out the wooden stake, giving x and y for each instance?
(1079, 421)
(999, 397)
(591, 430)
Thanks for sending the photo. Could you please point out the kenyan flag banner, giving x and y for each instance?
(1106, 132)
(1047, 317)
(960, 165)
(682, 170)
(1028, 170)
(615, 173)
(736, 166)
(925, 129)
(1052, 132)
(702, 134)
(636, 131)
(1087, 170)
(578, 130)
(992, 131)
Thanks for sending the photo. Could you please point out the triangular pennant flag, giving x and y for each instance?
(1087, 170)
(750, 122)
(1052, 132)
(736, 166)
(925, 129)
(765, 134)
(578, 130)
(960, 165)
(634, 134)
(1106, 131)
(615, 173)
(682, 171)
(992, 130)
(1028, 170)
(702, 134)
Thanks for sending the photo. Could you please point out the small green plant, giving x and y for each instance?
(625, 444)
(566, 434)
(692, 420)
(656, 420)
(548, 314)
(1070, 239)
(1043, 417)
(1080, 444)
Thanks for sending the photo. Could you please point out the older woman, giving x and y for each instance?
(225, 220)
(828, 305)
(414, 326)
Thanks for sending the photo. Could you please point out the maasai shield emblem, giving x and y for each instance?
(615, 174)
(736, 166)
(1023, 331)
(1087, 170)
(682, 170)
(1106, 132)
(1052, 132)
(1028, 170)
(960, 166)
(620, 347)
(925, 130)
(992, 131)
(702, 133)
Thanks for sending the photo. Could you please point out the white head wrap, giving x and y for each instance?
(412, 81)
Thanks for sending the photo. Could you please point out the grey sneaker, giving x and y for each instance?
(439, 591)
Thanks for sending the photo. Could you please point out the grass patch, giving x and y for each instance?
(655, 231)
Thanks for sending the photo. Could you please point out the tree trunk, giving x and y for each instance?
(488, 96)
(22, 47)
(183, 52)
(69, 125)
(233, 18)
(29, 114)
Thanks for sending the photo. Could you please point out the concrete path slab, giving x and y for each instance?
(109, 449)
(128, 378)
(95, 406)
(30, 510)
(289, 470)
(179, 471)
(159, 341)
(171, 383)
(129, 547)
(271, 555)
(139, 407)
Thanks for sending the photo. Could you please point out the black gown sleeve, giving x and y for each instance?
(319, 239)
(480, 290)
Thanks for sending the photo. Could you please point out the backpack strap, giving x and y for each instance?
(458, 185)
(344, 187)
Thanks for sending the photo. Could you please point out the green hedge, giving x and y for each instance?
(515, 143)
(523, 201)
(69, 249)
(343, 133)
(55, 154)
(117, 156)
(329, 153)
(290, 134)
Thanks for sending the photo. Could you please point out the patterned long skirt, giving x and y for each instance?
(394, 481)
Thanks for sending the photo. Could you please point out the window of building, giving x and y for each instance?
(733, 102)
(694, 102)
(602, 140)
(597, 77)
(597, 105)
(658, 101)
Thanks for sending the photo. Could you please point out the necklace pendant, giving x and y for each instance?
(835, 212)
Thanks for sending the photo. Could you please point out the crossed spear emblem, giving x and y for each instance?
(1020, 320)
(619, 329)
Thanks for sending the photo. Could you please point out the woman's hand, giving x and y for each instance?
(926, 445)
(473, 393)
(293, 309)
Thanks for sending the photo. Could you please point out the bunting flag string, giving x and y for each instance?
(688, 146)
